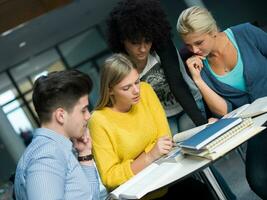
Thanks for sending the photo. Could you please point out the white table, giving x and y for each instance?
(183, 167)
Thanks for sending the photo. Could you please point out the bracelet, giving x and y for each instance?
(85, 158)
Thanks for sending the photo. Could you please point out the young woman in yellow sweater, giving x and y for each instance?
(129, 128)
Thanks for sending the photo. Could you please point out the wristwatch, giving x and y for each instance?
(85, 158)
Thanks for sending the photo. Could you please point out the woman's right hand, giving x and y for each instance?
(195, 65)
(212, 120)
(162, 147)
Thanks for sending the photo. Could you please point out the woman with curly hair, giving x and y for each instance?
(140, 29)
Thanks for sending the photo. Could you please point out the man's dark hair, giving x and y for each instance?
(135, 20)
(59, 89)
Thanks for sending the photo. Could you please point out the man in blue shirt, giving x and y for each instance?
(48, 168)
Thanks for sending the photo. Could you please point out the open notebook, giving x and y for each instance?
(257, 107)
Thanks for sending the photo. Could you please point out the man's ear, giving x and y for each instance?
(60, 115)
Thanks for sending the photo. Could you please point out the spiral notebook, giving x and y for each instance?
(210, 133)
(220, 140)
(219, 146)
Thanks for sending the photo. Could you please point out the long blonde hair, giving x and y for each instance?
(115, 68)
(196, 20)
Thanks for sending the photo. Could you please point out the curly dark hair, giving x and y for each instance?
(135, 20)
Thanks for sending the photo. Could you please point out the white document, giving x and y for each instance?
(257, 107)
(236, 112)
(115, 194)
(159, 177)
(158, 174)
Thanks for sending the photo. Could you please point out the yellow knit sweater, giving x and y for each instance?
(119, 138)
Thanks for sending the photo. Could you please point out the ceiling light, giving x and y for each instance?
(12, 30)
(22, 44)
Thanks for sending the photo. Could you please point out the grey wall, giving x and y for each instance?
(7, 165)
(228, 13)
(173, 8)
(11, 148)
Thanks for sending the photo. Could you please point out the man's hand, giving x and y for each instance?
(83, 145)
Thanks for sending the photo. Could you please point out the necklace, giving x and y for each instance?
(226, 70)
(220, 53)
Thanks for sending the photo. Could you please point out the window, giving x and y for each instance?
(89, 69)
(15, 114)
(24, 72)
(82, 47)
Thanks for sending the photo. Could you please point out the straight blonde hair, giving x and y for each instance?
(196, 20)
(115, 69)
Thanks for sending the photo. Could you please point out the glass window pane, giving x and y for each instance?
(34, 65)
(86, 68)
(28, 96)
(24, 85)
(19, 116)
(89, 69)
(11, 106)
(83, 47)
(29, 115)
(6, 97)
(100, 61)
(56, 66)
(5, 83)
(19, 120)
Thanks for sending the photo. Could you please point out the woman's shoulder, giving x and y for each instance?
(244, 27)
(147, 92)
(99, 115)
(145, 87)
